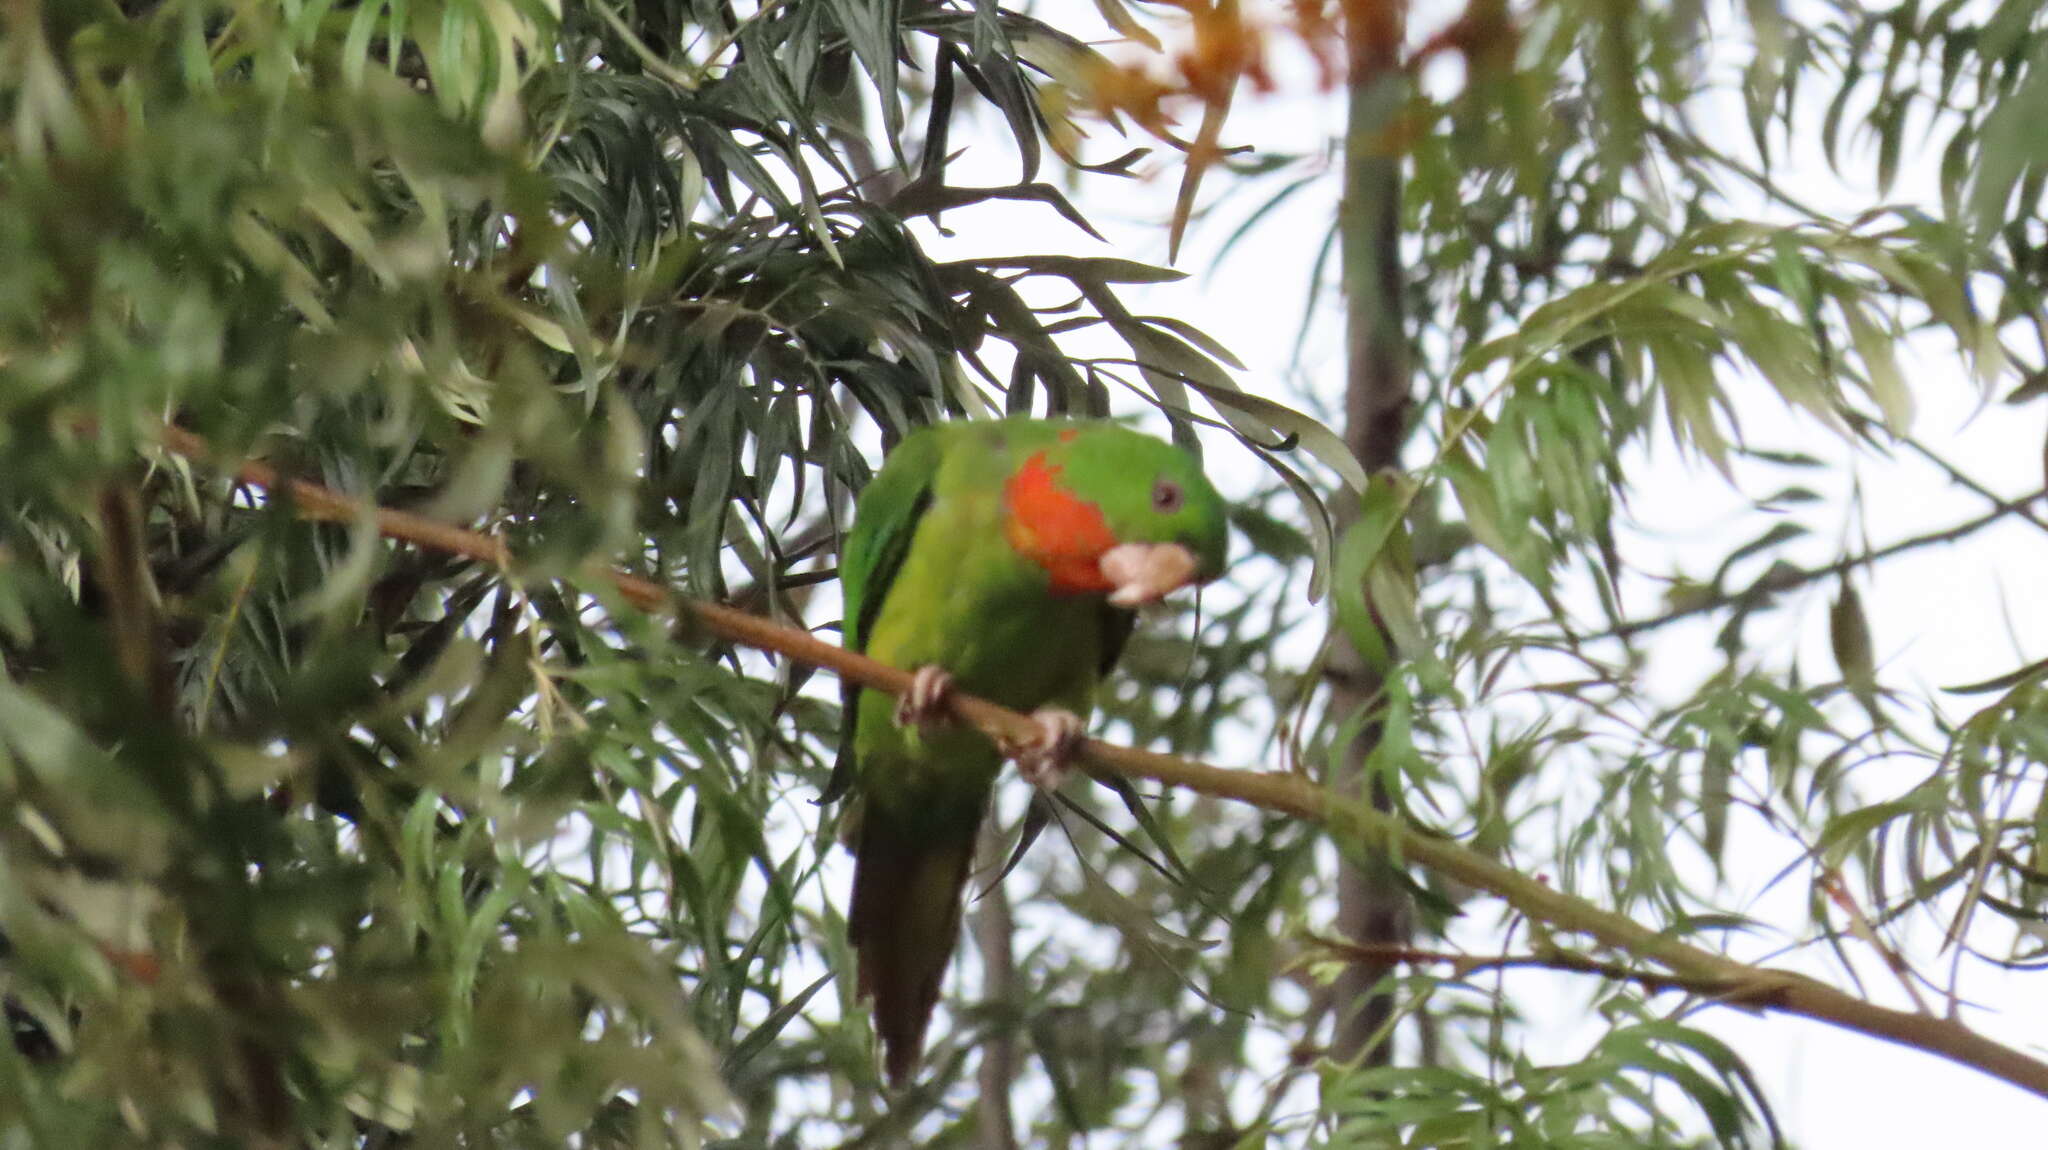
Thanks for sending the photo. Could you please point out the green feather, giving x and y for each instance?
(884, 525)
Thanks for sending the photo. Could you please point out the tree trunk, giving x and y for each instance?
(1372, 906)
(995, 1125)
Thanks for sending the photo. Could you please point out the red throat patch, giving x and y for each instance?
(1050, 526)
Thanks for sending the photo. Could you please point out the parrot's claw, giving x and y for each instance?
(1043, 759)
(924, 704)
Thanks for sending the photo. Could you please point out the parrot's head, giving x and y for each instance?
(1105, 509)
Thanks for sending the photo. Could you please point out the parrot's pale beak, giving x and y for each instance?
(1143, 573)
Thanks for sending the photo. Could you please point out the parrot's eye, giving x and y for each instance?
(1167, 497)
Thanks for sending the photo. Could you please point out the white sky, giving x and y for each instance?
(1942, 616)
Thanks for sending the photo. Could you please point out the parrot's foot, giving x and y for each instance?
(924, 704)
(1043, 759)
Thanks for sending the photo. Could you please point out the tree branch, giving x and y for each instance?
(1962, 478)
(1731, 992)
(1280, 792)
(1802, 576)
(1762, 991)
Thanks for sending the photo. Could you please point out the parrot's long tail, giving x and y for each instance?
(903, 922)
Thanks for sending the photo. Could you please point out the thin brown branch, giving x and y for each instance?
(1732, 991)
(1789, 579)
(1284, 793)
(1837, 891)
(2022, 508)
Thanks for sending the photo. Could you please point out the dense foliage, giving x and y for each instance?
(313, 838)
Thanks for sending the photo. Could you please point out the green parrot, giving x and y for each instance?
(1003, 557)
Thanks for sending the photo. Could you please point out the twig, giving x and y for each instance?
(2022, 508)
(1283, 793)
(1756, 993)
(1837, 891)
(1787, 580)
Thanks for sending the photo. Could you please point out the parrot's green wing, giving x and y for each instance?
(890, 509)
